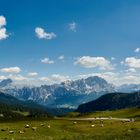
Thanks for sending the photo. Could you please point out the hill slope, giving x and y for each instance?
(12, 107)
(112, 101)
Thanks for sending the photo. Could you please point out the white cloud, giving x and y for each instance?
(92, 62)
(33, 74)
(46, 79)
(122, 62)
(72, 26)
(131, 70)
(41, 34)
(47, 61)
(137, 50)
(55, 78)
(17, 77)
(113, 58)
(116, 78)
(3, 77)
(11, 70)
(61, 57)
(109, 76)
(3, 32)
(132, 62)
(2, 21)
(59, 78)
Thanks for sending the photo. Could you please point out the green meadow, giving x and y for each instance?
(66, 129)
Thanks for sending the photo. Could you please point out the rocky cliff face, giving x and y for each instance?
(65, 94)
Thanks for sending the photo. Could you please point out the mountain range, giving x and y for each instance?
(67, 94)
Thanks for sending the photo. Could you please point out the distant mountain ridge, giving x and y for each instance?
(66, 94)
(128, 88)
(5, 83)
(112, 101)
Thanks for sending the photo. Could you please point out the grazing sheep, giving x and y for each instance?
(123, 121)
(102, 125)
(91, 121)
(3, 129)
(27, 126)
(42, 124)
(1, 115)
(21, 132)
(74, 122)
(132, 120)
(34, 128)
(11, 132)
(49, 126)
(92, 125)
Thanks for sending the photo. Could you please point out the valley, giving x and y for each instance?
(103, 115)
(69, 70)
(65, 129)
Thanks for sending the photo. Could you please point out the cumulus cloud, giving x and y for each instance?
(72, 26)
(33, 74)
(113, 58)
(137, 50)
(55, 78)
(61, 78)
(47, 61)
(17, 77)
(131, 70)
(132, 62)
(116, 78)
(93, 62)
(3, 77)
(11, 70)
(3, 32)
(2, 21)
(61, 57)
(109, 76)
(41, 34)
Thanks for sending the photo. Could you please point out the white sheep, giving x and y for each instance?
(92, 125)
(27, 126)
(21, 132)
(42, 124)
(74, 122)
(34, 128)
(132, 120)
(49, 126)
(11, 132)
(102, 125)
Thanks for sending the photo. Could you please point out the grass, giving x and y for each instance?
(122, 113)
(22, 113)
(66, 130)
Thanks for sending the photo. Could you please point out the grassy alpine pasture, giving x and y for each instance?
(122, 113)
(65, 129)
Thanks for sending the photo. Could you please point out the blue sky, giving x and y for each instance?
(74, 38)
